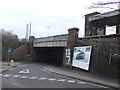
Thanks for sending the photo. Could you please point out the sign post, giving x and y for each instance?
(9, 51)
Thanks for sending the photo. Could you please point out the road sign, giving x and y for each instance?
(9, 50)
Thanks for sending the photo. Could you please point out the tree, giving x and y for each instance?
(9, 40)
(107, 4)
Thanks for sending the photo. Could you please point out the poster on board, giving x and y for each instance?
(68, 56)
(81, 57)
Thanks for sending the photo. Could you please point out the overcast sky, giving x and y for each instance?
(47, 17)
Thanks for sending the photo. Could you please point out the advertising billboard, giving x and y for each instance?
(81, 57)
(67, 56)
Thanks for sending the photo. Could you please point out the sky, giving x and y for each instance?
(47, 17)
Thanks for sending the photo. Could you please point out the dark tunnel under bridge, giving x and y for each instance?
(49, 55)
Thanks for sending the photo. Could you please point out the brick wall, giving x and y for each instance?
(71, 42)
(105, 58)
(19, 53)
(87, 23)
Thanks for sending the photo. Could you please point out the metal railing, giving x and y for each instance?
(62, 37)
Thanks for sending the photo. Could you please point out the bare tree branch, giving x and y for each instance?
(106, 3)
(91, 7)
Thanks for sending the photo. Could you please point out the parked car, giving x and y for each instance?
(81, 55)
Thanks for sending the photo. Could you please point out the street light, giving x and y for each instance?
(48, 28)
(9, 51)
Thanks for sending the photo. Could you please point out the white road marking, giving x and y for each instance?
(11, 68)
(81, 82)
(71, 81)
(16, 76)
(33, 77)
(7, 75)
(42, 78)
(51, 79)
(23, 77)
(24, 71)
(61, 80)
(1, 75)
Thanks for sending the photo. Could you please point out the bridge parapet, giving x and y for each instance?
(51, 41)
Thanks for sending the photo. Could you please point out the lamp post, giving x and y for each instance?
(47, 29)
(9, 51)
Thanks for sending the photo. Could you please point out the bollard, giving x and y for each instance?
(12, 62)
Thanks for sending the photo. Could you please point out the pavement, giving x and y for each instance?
(85, 76)
(4, 66)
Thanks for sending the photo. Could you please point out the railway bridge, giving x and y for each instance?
(52, 49)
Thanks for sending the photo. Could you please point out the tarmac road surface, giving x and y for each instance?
(33, 76)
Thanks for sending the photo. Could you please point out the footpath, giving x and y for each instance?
(4, 66)
(85, 76)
